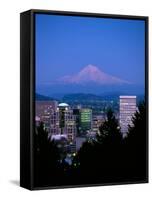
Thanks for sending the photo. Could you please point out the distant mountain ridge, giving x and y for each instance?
(92, 97)
(79, 97)
(40, 97)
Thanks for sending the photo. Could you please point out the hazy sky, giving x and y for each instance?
(66, 44)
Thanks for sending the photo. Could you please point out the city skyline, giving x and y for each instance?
(75, 124)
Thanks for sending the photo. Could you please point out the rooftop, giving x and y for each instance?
(63, 105)
(127, 97)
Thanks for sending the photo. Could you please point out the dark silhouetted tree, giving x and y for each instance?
(110, 143)
(135, 153)
(46, 157)
(109, 130)
(101, 158)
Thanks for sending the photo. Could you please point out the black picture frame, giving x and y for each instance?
(27, 93)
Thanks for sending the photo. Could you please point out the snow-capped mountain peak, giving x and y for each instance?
(93, 74)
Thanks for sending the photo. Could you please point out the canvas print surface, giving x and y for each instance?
(90, 114)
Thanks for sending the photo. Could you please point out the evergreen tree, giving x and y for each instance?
(46, 156)
(139, 125)
(110, 143)
(102, 156)
(135, 144)
(109, 130)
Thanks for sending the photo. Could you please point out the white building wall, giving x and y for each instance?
(127, 109)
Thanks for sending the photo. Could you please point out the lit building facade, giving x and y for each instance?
(76, 113)
(85, 120)
(63, 122)
(127, 109)
(97, 121)
(43, 110)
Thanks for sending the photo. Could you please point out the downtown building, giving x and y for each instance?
(85, 120)
(63, 125)
(59, 121)
(43, 112)
(63, 122)
(97, 121)
(127, 109)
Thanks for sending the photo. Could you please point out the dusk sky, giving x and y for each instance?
(66, 44)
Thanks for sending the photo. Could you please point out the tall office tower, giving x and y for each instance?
(85, 120)
(63, 122)
(54, 123)
(76, 113)
(43, 111)
(127, 109)
(97, 120)
(67, 125)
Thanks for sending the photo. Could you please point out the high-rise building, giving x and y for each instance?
(63, 122)
(44, 109)
(76, 112)
(45, 106)
(85, 120)
(127, 109)
(59, 121)
(96, 123)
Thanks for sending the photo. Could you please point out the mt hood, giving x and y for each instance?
(92, 74)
